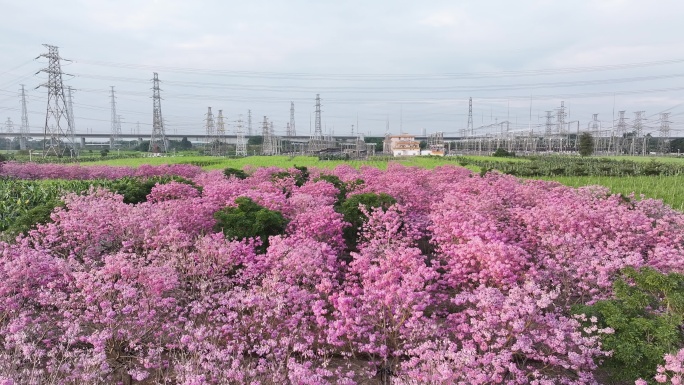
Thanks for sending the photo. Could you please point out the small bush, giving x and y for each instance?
(37, 215)
(249, 220)
(136, 190)
(354, 216)
(228, 172)
(503, 153)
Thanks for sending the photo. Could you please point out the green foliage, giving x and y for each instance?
(255, 140)
(503, 153)
(300, 178)
(586, 144)
(249, 220)
(228, 172)
(646, 315)
(352, 213)
(135, 190)
(303, 176)
(39, 214)
(185, 144)
(343, 187)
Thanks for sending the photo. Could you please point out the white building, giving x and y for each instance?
(402, 145)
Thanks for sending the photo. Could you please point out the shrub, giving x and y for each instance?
(645, 315)
(228, 172)
(136, 190)
(503, 153)
(36, 215)
(249, 220)
(352, 213)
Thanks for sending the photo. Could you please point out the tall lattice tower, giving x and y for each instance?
(267, 145)
(471, 130)
(637, 130)
(560, 119)
(210, 128)
(55, 138)
(664, 131)
(620, 132)
(24, 129)
(318, 131)
(220, 137)
(292, 131)
(115, 128)
(249, 123)
(158, 141)
(72, 124)
(9, 129)
(240, 143)
(275, 141)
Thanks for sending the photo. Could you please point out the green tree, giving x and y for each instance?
(255, 140)
(586, 144)
(185, 144)
(249, 220)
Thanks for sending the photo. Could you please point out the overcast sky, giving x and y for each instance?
(410, 64)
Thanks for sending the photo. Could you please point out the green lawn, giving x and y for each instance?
(667, 188)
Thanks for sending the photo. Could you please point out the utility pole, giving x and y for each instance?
(115, 130)
(55, 128)
(240, 145)
(158, 139)
(24, 130)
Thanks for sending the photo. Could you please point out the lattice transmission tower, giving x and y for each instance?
(470, 129)
(249, 123)
(24, 129)
(158, 141)
(210, 129)
(56, 141)
(220, 139)
(115, 126)
(318, 131)
(621, 132)
(9, 129)
(267, 145)
(240, 143)
(664, 131)
(291, 127)
(72, 121)
(638, 129)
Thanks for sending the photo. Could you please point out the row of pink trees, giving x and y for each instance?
(466, 279)
(72, 172)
